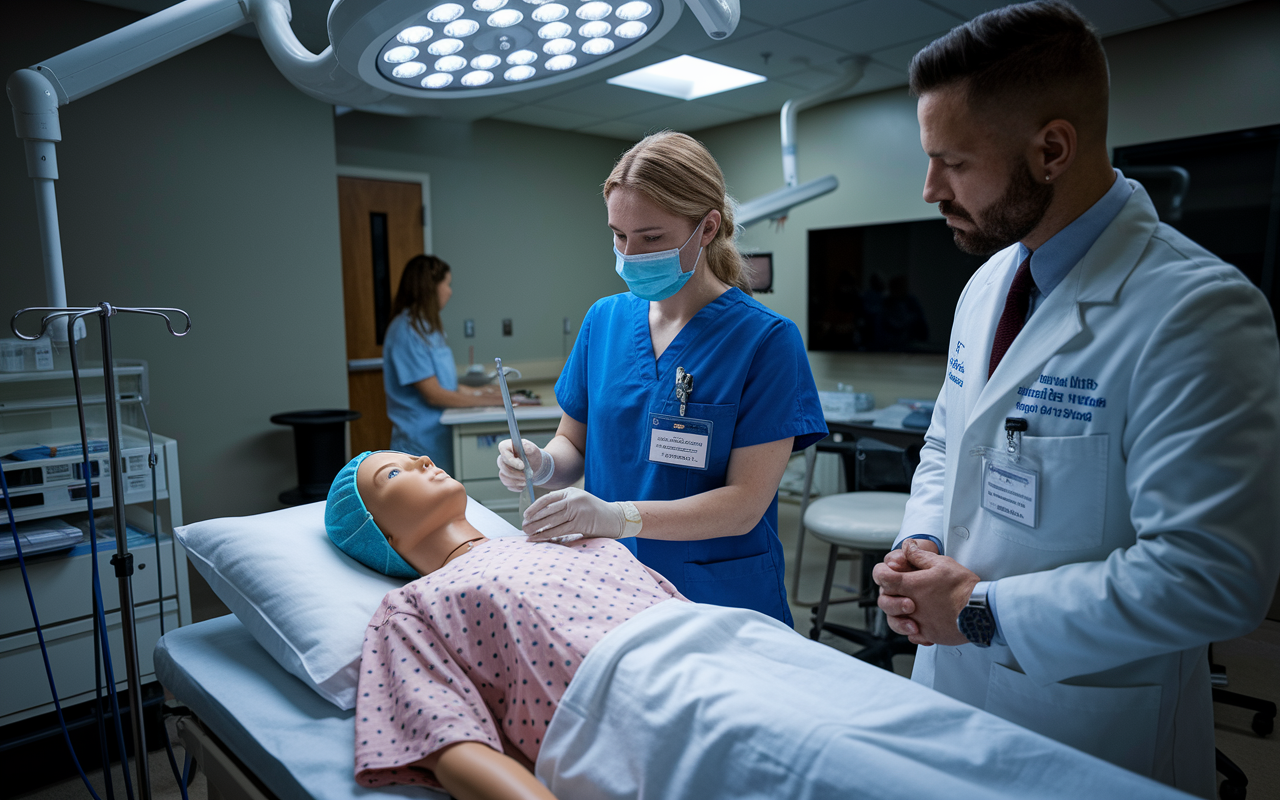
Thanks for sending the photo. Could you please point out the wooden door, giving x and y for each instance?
(381, 227)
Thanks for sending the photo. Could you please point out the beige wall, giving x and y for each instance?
(516, 211)
(1210, 73)
(207, 183)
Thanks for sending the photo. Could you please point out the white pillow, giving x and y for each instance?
(304, 600)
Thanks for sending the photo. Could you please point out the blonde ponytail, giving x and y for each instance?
(678, 174)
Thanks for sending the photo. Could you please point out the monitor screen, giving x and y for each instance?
(1222, 191)
(885, 288)
(761, 272)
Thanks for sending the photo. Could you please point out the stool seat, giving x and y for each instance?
(860, 520)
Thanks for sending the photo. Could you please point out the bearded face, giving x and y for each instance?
(1010, 218)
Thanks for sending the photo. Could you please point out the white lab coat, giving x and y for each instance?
(1159, 511)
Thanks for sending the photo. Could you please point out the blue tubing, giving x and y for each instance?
(48, 670)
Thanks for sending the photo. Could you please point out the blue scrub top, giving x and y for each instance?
(407, 358)
(751, 380)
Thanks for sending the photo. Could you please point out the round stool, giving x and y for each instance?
(867, 522)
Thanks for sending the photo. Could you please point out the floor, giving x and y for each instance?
(1252, 662)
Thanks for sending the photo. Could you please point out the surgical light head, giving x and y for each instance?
(352, 529)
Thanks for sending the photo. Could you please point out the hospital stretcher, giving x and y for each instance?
(258, 733)
(677, 700)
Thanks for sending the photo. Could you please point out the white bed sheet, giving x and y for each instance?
(300, 746)
(701, 702)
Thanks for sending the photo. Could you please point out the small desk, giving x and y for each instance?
(882, 425)
(476, 433)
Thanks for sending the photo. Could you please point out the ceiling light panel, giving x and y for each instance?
(510, 42)
(686, 78)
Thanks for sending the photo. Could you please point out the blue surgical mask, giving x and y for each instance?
(656, 276)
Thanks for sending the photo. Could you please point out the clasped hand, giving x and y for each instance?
(922, 593)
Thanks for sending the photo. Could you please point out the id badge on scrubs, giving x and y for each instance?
(679, 441)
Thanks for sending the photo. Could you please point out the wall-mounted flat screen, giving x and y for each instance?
(1222, 191)
(761, 272)
(888, 288)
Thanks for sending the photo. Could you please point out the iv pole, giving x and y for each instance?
(123, 559)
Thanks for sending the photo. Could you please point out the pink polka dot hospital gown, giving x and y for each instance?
(483, 649)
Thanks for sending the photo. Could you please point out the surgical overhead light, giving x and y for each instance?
(386, 56)
(366, 32)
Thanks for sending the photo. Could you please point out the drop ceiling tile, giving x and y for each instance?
(687, 116)
(762, 98)
(688, 36)
(1110, 17)
(876, 77)
(787, 53)
(968, 9)
(899, 57)
(470, 109)
(607, 101)
(783, 12)
(619, 129)
(876, 24)
(1187, 7)
(549, 117)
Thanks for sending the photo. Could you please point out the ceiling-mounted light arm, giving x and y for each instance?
(854, 70)
(119, 54)
(36, 93)
(319, 76)
(719, 18)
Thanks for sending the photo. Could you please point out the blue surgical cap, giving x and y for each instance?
(352, 529)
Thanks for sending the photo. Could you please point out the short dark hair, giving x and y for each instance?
(1042, 55)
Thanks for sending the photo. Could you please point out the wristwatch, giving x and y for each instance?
(976, 621)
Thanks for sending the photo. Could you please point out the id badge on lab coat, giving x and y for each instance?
(1010, 485)
(679, 441)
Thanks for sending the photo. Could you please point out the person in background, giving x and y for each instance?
(683, 398)
(418, 370)
(1097, 497)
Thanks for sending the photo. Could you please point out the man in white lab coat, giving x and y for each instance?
(1098, 497)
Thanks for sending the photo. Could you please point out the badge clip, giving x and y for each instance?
(684, 387)
(1013, 428)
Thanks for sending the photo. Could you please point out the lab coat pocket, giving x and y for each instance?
(1072, 494)
(1116, 724)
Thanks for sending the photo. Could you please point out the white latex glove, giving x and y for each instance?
(574, 511)
(511, 468)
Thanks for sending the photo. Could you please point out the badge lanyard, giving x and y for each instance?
(680, 441)
(1010, 481)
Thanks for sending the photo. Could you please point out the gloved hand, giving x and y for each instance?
(511, 468)
(572, 510)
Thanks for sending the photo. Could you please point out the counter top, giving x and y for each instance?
(463, 416)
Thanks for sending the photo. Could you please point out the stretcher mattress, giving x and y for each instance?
(299, 746)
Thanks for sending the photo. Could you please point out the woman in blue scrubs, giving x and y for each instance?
(418, 370)
(684, 398)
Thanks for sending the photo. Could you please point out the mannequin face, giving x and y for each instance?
(410, 498)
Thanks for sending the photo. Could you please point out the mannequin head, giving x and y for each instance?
(411, 508)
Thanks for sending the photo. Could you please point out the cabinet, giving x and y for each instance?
(38, 408)
(476, 433)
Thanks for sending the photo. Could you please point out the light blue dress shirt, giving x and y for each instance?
(1049, 265)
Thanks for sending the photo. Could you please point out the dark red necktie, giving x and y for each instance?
(1014, 316)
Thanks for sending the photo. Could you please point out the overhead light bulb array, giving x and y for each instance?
(506, 42)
